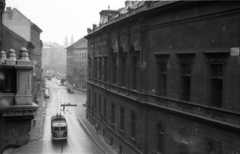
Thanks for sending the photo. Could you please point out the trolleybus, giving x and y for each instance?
(59, 127)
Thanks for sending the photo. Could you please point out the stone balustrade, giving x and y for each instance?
(15, 84)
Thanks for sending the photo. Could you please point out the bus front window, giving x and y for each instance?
(63, 128)
(55, 128)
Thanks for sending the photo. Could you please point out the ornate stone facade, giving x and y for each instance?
(16, 104)
(163, 77)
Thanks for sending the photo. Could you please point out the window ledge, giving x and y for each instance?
(112, 125)
(133, 139)
(121, 131)
(133, 90)
(185, 53)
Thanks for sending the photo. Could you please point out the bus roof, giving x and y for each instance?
(58, 117)
(59, 123)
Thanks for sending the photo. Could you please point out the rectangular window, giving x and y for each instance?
(134, 72)
(114, 71)
(56, 128)
(89, 67)
(216, 83)
(184, 140)
(133, 125)
(95, 71)
(162, 79)
(186, 81)
(160, 137)
(63, 128)
(122, 118)
(105, 69)
(105, 108)
(113, 115)
(100, 69)
(120, 149)
(95, 101)
(214, 147)
(100, 105)
(89, 97)
(123, 72)
(8, 81)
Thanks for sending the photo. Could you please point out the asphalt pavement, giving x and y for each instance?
(38, 128)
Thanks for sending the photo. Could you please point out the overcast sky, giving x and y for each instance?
(61, 18)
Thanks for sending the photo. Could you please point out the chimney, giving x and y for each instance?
(89, 30)
(94, 27)
(8, 9)
(127, 3)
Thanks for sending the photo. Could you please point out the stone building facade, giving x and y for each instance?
(17, 108)
(69, 66)
(14, 20)
(77, 68)
(54, 57)
(163, 77)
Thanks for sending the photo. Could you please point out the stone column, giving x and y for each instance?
(23, 69)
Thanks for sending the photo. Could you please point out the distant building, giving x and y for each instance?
(11, 40)
(66, 42)
(72, 40)
(77, 63)
(163, 77)
(46, 56)
(54, 57)
(21, 25)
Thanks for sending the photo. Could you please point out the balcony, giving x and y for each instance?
(17, 108)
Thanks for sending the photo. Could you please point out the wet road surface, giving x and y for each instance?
(78, 140)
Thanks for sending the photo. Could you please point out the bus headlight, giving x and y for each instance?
(54, 134)
(65, 134)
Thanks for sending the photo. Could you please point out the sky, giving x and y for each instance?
(61, 18)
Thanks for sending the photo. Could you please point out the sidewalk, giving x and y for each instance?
(97, 138)
(36, 127)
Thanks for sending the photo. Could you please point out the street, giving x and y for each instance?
(78, 140)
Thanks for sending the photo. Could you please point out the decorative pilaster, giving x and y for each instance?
(17, 110)
(23, 69)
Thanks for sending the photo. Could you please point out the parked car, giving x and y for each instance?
(46, 93)
(70, 91)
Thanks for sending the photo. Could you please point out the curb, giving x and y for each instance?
(41, 127)
(91, 136)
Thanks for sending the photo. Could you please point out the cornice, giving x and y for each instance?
(19, 111)
(2, 4)
(227, 124)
